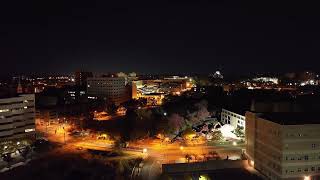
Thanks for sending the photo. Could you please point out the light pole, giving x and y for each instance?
(64, 135)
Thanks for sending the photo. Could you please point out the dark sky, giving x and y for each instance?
(158, 36)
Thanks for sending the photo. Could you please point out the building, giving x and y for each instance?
(47, 115)
(17, 117)
(81, 78)
(284, 145)
(113, 89)
(235, 119)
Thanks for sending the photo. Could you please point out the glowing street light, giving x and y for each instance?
(252, 163)
(234, 143)
(145, 150)
(181, 148)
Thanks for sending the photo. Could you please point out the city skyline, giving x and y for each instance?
(158, 37)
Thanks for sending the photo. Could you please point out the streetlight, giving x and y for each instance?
(145, 150)
(64, 135)
(181, 148)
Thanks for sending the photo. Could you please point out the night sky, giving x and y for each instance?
(158, 36)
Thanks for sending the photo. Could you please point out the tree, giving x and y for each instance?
(239, 132)
(128, 124)
(217, 135)
(111, 109)
(175, 123)
(200, 114)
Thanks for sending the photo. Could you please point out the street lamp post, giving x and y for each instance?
(64, 135)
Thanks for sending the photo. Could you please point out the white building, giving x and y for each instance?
(111, 88)
(234, 119)
(17, 117)
(284, 145)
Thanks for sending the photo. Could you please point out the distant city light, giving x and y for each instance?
(145, 150)
(29, 130)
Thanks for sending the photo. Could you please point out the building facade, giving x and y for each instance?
(237, 120)
(81, 77)
(284, 145)
(113, 89)
(17, 117)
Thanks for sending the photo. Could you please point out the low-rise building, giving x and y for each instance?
(234, 118)
(284, 145)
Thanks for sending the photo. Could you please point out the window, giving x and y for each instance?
(299, 169)
(306, 170)
(313, 146)
(4, 110)
(306, 158)
(312, 169)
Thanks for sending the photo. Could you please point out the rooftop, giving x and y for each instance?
(292, 118)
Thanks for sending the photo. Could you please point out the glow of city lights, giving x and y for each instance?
(145, 150)
(252, 163)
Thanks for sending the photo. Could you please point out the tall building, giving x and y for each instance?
(113, 89)
(81, 78)
(284, 145)
(17, 117)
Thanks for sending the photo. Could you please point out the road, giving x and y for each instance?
(157, 151)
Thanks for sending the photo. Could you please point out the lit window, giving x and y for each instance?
(25, 107)
(4, 110)
(29, 130)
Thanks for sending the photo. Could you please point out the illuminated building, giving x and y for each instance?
(81, 78)
(216, 75)
(267, 79)
(113, 89)
(17, 117)
(234, 119)
(284, 145)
